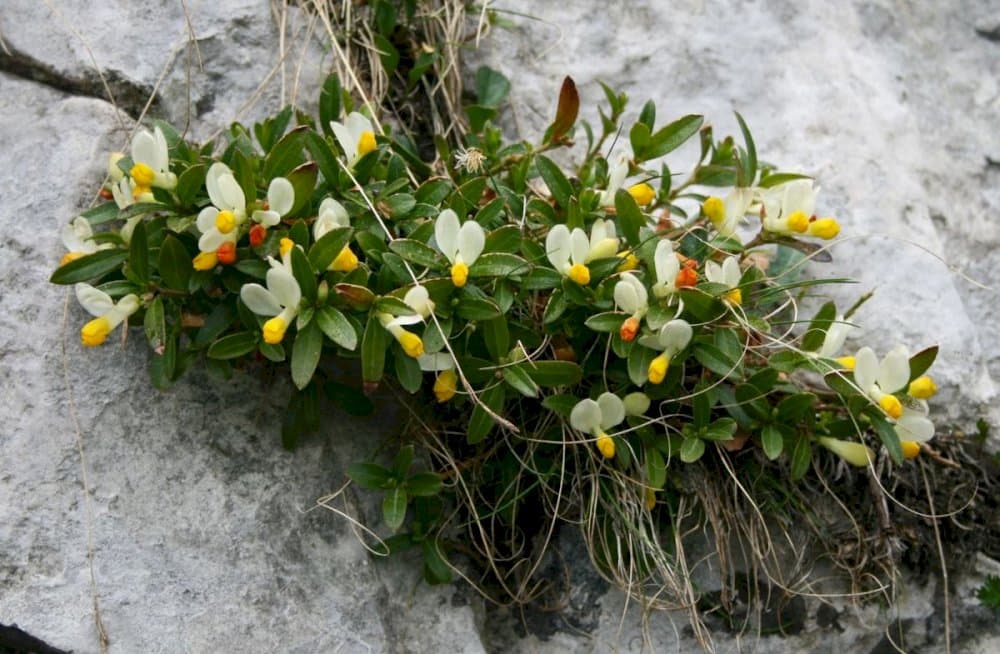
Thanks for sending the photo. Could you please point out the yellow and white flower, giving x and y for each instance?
(596, 417)
(790, 209)
(151, 162)
(725, 214)
(446, 382)
(666, 266)
(280, 198)
(881, 380)
(631, 296)
(78, 238)
(280, 299)
(356, 137)
(219, 223)
(570, 252)
(332, 215)
(834, 339)
(461, 244)
(616, 178)
(728, 274)
(418, 299)
(108, 313)
(671, 339)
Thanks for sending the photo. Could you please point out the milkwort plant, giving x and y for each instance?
(585, 345)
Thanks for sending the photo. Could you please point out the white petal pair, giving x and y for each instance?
(332, 214)
(671, 339)
(631, 295)
(99, 304)
(459, 242)
(888, 376)
(280, 198)
(282, 292)
(592, 417)
(728, 274)
(349, 135)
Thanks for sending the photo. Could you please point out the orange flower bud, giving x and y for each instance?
(686, 277)
(629, 329)
(257, 235)
(226, 253)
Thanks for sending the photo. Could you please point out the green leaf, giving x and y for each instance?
(234, 345)
(497, 337)
(672, 136)
(285, 155)
(304, 274)
(325, 250)
(692, 449)
(218, 321)
(555, 179)
(638, 361)
(656, 468)
(630, 217)
(424, 484)
(394, 305)
(562, 403)
(715, 360)
(329, 103)
(801, 457)
(305, 354)
(387, 54)
(814, 336)
(796, 408)
(399, 205)
(189, 183)
(841, 382)
(715, 175)
(554, 373)
(750, 170)
(785, 361)
(102, 213)
(155, 325)
(506, 239)
(639, 138)
(174, 264)
(519, 379)
(555, 307)
(540, 279)
(323, 154)
(359, 298)
(772, 441)
(491, 87)
(436, 570)
(274, 352)
(369, 475)
(472, 308)
(887, 433)
(337, 327)
(138, 253)
(498, 264)
(374, 343)
(720, 430)
(775, 179)
(90, 267)
(417, 252)
(303, 180)
(481, 423)
(922, 361)
(610, 321)
(394, 507)
(408, 371)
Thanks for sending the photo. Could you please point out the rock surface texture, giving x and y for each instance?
(196, 518)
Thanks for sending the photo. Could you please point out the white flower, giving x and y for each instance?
(671, 339)
(569, 252)
(280, 299)
(790, 208)
(78, 238)
(879, 380)
(728, 274)
(616, 177)
(460, 244)
(356, 137)
(332, 215)
(280, 198)
(151, 161)
(109, 314)
(219, 223)
(595, 418)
